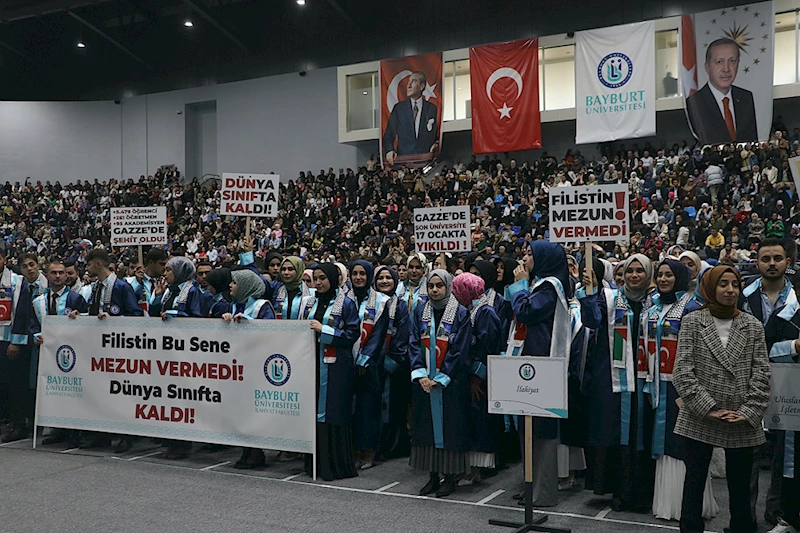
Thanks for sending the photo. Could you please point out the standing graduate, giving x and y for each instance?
(487, 271)
(247, 291)
(291, 291)
(441, 336)
(619, 432)
(219, 281)
(661, 324)
(414, 290)
(486, 334)
(396, 387)
(334, 318)
(368, 354)
(541, 328)
(15, 315)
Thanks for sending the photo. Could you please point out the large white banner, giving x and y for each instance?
(615, 83)
(529, 386)
(442, 229)
(137, 226)
(783, 411)
(250, 384)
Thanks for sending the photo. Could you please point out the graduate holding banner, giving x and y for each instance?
(727, 73)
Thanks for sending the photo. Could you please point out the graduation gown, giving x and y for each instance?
(68, 301)
(396, 386)
(486, 338)
(441, 418)
(123, 300)
(188, 303)
(16, 297)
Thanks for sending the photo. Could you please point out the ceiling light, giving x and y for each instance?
(364, 93)
(301, 2)
(81, 45)
(459, 88)
(188, 24)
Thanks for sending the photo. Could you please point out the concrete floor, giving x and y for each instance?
(60, 490)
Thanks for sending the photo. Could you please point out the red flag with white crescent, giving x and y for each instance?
(505, 97)
(411, 110)
(688, 71)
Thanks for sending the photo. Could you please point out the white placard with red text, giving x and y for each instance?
(138, 226)
(589, 213)
(442, 229)
(249, 195)
(197, 379)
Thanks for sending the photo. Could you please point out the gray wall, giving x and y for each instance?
(201, 139)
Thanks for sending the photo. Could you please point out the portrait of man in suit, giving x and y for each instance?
(413, 123)
(721, 112)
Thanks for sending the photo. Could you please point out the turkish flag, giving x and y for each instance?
(505, 97)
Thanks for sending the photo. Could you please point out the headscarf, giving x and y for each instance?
(182, 269)
(447, 279)
(332, 272)
(343, 270)
(248, 284)
(708, 290)
(550, 259)
(608, 274)
(362, 292)
(310, 274)
(682, 275)
(391, 272)
(508, 273)
(488, 272)
(597, 267)
(672, 248)
(298, 265)
(220, 279)
(467, 288)
(470, 259)
(638, 295)
(696, 260)
(422, 259)
(271, 256)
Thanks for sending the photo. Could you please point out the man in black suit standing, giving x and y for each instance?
(413, 123)
(720, 112)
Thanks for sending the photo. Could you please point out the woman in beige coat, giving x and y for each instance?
(722, 376)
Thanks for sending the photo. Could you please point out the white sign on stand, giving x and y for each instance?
(138, 226)
(589, 213)
(528, 386)
(442, 229)
(783, 411)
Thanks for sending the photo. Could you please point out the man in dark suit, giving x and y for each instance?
(720, 112)
(413, 123)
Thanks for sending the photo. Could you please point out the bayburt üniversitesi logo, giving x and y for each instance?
(65, 358)
(615, 70)
(277, 369)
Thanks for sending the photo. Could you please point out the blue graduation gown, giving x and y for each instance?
(219, 306)
(68, 301)
(396, 386)
(17, 332)
(123, 300)
(448, 426)
(486, 338)
(335, 380)
(192, 307)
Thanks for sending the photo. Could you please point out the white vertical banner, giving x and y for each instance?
(615, 83)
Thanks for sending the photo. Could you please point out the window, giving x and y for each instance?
(667, 67)
(786, 36)
(457, 91)
(559, 77)
(362, 101)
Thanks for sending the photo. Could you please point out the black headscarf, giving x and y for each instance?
(488, 272)
(550, 259)
(682, 277)
(324, 298)
(362, 292)
(598, 268)
(469, 259)
(508, 273)
(220, 279)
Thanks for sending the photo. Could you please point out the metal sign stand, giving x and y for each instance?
(529, 524)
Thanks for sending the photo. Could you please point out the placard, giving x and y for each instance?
(598, 213)
(783, 411)
(197, 379)
(138, 226)
(794, 166)
(529, 386)
(442, 229)
(252, 195)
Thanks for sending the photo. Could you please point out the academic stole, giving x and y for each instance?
(10, 285)
(662, 335)
(282, 310)
(623, 368)
(434, 359)
(326, 351)
(369, 312)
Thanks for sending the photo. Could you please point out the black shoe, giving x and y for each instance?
(55, 439)
(616, 505)
(256, 459)
(447, 488)
(432, 486)
(772, 517)
(15, 435)
(125, 444)
(519, 496)
(97, 442)
(244, 458)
